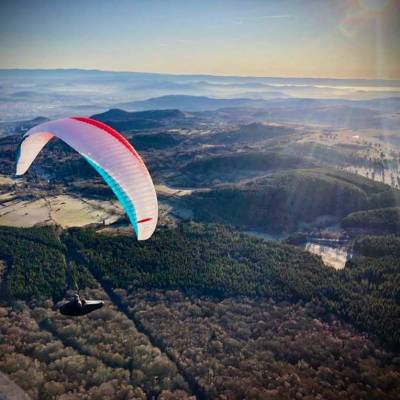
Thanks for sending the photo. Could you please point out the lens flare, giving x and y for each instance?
(361, 13)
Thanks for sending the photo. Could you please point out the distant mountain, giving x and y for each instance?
(75, 73)
(335, 115)
(30, 95)
(376, 113)
(386, 104)
(190, 103)
(124, 120)
(26, 93)
(116, 114)
(338, 113)
(20, 127)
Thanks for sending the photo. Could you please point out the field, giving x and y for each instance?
(62, 210)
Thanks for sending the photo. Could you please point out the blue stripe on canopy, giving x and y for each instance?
(119, 193)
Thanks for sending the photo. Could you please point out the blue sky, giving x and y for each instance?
(299, 38)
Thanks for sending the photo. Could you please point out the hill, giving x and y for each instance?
(154, 141)
(340, 116)
(190, 103)
(124, 121)
(251, 133)
(20, 127)
(282, 201)
(377, 246)
(233, 167)
(383, 220)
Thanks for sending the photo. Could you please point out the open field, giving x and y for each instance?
(63, 210)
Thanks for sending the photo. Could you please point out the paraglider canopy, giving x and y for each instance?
(111, 155)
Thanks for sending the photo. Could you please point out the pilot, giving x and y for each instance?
(77, 302)
(77, 299)
(79, 307)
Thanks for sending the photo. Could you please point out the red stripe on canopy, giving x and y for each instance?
(111, 131)
(144, 220)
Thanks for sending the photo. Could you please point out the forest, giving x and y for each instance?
(284, 200)
(253, 311)
(262, 349)
(386, 220)
(55, 358)
(35, 263)
(377, 246)
(220, 261)
(209, 260)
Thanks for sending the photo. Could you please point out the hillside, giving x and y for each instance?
(20, 127)
(339, 116)
(335, 113)
(211, 260)
(282, 201)
(125, 121)
(233, 167)
(377, 246)
(384, 220)
(189, 103)
(153, 141)
(251, 133)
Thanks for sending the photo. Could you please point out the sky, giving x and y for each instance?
(286, 38)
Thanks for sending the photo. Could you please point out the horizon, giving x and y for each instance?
(189, 74)
(59, 92)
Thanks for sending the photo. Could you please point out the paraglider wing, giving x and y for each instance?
(113, 157)
(70, 309)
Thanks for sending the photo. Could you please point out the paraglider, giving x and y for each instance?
(118, 163)
(111, 155)
(78, 307)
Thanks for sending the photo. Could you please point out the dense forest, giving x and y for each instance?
(46, 369)
(261, 349)
(209, 260)
(81, 359)
(377, 246)
(219, 261)
(230, 290)
(213, 260)
(35, 263)
(233, 167)
(386, 220)
(284, 200)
